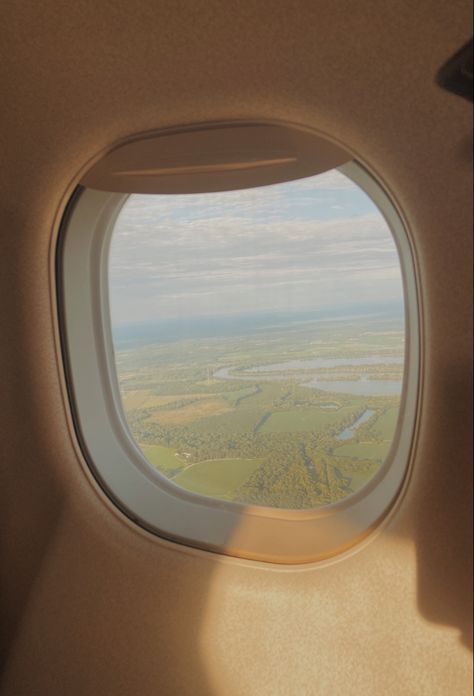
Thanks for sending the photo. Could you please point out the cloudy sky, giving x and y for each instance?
(298, 246)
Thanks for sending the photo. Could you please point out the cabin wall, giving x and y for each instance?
(92, 604)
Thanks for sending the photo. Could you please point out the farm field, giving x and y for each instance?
(384, 426)
(239, 417)
(191, 410)
(305, 419)
(144, 398)
(219, 478)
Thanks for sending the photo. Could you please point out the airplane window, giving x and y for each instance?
(242, 366)
(259, 339)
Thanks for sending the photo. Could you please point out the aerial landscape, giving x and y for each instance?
(295, 416)
(259, 339)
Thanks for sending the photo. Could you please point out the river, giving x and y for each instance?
(360, 387)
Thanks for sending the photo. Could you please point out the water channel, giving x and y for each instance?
(348, 432)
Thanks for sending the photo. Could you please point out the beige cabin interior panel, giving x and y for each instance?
(93, 605)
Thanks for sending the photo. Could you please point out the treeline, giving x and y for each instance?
(224, 440)
(289, 480)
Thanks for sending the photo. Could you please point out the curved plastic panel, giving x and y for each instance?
(213, 159)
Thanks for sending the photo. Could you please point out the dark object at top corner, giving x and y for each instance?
(456, 74)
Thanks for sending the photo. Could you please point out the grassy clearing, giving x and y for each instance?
(219, 478)
(364, 450)
(163, 458)
(384, 427)
(303, 419)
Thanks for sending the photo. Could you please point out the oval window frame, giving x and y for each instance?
(142, 492)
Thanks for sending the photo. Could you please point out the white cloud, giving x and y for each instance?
(300, 245)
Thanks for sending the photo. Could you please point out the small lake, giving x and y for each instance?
(359, 387)
(348, 433)
(316, 363)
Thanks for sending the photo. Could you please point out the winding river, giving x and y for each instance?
(360, 387)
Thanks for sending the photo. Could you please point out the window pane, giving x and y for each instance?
(259, 338)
